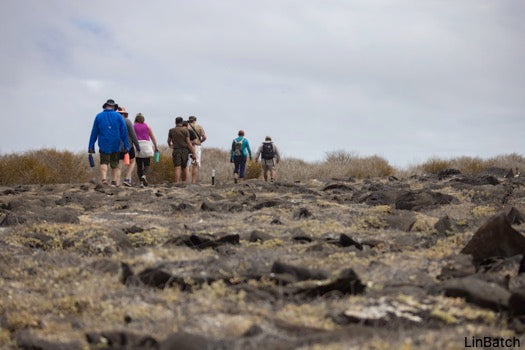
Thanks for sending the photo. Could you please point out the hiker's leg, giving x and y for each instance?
(177, 174)
(140, 167)
(272, 174)
(146, 162)
(131, 167)
(103, 171)
(195, 166)
(265, 170)
(242, 167)
(104, 161)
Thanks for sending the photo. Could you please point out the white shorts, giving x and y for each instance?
(198, 153)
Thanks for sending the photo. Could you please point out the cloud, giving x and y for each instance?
(402, 79)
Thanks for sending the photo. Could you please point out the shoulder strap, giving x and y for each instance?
(195, 131)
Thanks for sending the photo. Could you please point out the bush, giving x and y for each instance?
(43, 167)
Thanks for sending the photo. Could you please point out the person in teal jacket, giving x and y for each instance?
(238, 156)
(109, 128)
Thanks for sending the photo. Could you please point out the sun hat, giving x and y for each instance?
(110, 103)
(122, 110)
(192, 118)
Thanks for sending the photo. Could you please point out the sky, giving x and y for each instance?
(406, 80)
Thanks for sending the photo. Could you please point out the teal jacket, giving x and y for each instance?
(245, 147)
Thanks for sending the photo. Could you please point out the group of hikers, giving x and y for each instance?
(123, 143)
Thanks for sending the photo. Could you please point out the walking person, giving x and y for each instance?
(201, 137)
(146, 138)
(109, 128)
(179, 141)
(238, 155)
(269, 158)
(134, 148)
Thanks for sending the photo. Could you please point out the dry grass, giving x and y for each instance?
(470, 165)
(47, 166)
(43, 166)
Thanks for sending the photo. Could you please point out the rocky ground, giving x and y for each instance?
(424, 262)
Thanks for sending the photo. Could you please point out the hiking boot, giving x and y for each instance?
(127, 182)
(114, 184)
(144, 181)
(104, 182)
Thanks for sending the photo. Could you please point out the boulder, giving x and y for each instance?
(475, 291)
(495, 238)
(421, 199)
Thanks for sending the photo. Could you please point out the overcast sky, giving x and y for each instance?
(403, 79)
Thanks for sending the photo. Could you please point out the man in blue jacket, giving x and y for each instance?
(238, 155)
(110, 130)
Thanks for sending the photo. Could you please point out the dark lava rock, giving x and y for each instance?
(347, 241)
(186, 341)
(475, 291)
(346, 283)
(206, 206)
(39, 241)
(515, 217)
(517, 302)
(479, 180)
(134, 229)
(27, 341)
(418, 200)
(443, 174)
(203, 241)
(257, 235)
(443, 225)
(495, 171)
(298, 273)
(122, 242)
(495, 238)
(338, 186)
(266, 204)
(302, 213)
(302, 239)
(456, 267)
(379, 197)
(400, 220)
(121, 340)
(11, 219)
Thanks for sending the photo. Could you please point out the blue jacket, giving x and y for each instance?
(245, 147)
(110, 130)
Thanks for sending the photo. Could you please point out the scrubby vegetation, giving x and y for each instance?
(48, 166)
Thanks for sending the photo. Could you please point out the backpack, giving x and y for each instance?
(237, 147)
(267, 151)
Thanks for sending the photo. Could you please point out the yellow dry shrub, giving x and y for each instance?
(253, 170)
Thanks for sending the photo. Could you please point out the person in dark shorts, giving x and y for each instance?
(109, 128)
(179, 141)
(133, 141)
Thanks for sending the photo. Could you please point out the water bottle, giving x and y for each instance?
(91, 161)
(157, 156)
(126, 158)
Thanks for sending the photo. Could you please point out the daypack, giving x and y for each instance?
(237, 147)
(267, 151)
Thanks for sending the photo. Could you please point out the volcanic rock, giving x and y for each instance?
(476, 291)
(495, 238)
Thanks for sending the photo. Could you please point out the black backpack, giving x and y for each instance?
(237, 147)
(267, 151)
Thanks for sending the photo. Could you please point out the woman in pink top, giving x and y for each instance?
(145, 137)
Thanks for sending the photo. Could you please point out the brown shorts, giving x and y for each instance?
(267, 164)
(180, 157)
(131, 153)
(110, 158)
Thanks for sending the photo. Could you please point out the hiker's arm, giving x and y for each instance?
(124, 134)
(259, 151)
(169, 141)
(249, 149)
(134, 139)
(277, 154)
(190, 147)
(153, 138)
(93, 137)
